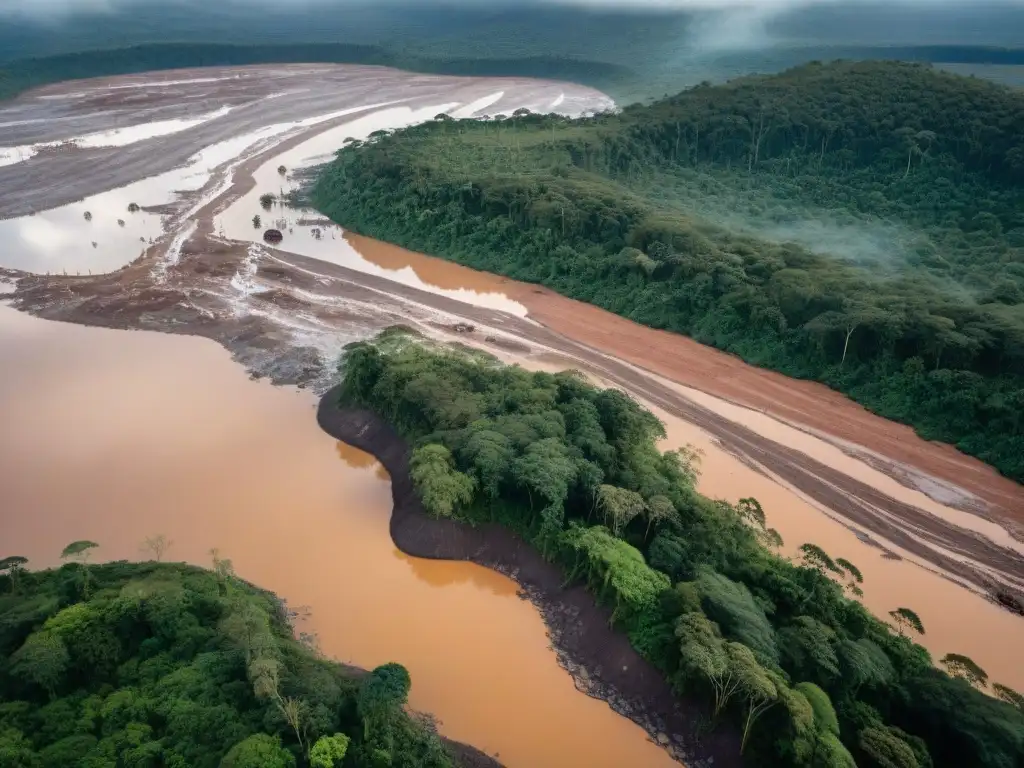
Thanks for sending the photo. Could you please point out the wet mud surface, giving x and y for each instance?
(251, 97)
(286, 316)
(305, 310)
(601, 660)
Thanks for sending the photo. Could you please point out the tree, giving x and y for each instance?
(133, 208)
(545, 469)
(442, 488)
(80, 552)
(258, 751)
(703, 655)
(731, 605)
(490, 455)
(751, 511)
(158, 545)
(282, 170)
(757, 687)
(266, 201)
(862, 662)
(658, 509)
(1007, 694)
(885, 749)
(87, 216)
(821, 705)
(964, 668)
(815, 557)
(855, 577)
(808, 647)
(907, 619)
(619, 506)
(329, 751)
(294, 712)
(42, 659)
(13, 566)
(854, 315)
(772, 539)
(382, 694)
(257, 222)
(224, 569)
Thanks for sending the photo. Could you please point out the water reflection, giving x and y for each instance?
(445, 573)
(308, 233)
(355, 458)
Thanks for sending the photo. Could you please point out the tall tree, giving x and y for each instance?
(80, 552)
(964, 668)
(382, 694)
(619, 506)
(906, 619)
(442, 488)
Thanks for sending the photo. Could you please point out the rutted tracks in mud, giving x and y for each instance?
(337, 300)
(285, 316)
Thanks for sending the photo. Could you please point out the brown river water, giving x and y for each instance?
(956, 619)
(118, 435)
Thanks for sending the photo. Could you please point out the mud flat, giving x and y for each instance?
(931, 529)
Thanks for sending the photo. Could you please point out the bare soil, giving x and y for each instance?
(804, 403)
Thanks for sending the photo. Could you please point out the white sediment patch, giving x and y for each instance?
(558, 102)
(244, 280)
(479, 105)
(173, 253)
(116, 137)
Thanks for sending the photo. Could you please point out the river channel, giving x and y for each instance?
(115, 435)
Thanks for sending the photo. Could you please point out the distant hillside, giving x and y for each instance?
(861, 224)
(633, 55)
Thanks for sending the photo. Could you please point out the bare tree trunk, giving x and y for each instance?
(846, 344)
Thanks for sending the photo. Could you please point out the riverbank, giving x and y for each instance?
(601, 661)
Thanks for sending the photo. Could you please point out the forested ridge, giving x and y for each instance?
(810, 677)
(861, 224)
(147, 665)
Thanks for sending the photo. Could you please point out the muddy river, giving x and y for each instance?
(115, 435)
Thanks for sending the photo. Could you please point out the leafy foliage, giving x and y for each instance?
(171, 665)
(905, 290)
(809, 675)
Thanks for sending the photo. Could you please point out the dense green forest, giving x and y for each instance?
(809, 675)
(142, 665)
(861, 224)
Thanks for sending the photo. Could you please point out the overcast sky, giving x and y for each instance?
(51, 7)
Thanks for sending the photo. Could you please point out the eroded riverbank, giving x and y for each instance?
(286, 312)
(600, 659)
